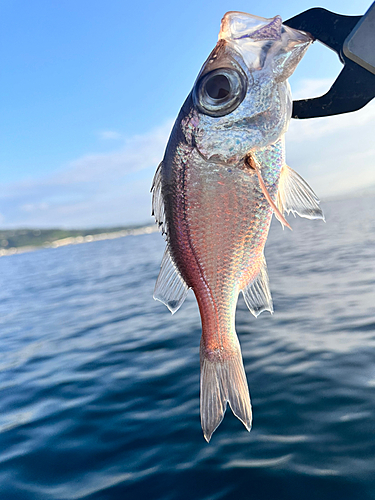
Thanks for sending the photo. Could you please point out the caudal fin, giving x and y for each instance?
(223, 381)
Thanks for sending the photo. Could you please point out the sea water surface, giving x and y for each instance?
(99, 384)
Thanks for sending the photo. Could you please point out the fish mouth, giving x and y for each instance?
(238, 25)
(256, 37)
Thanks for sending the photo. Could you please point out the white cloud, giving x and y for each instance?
(336, 154)
(311, 87)
(96, 189)
(109, 134)
(138, 153)
(32, 207)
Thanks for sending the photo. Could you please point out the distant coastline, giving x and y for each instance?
(15, 241)
(18, 241)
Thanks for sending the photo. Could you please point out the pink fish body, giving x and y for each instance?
(222, 177)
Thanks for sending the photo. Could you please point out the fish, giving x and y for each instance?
(222, 178)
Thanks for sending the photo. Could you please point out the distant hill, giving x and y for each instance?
(19, 238)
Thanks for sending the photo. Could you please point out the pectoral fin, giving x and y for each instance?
(170, 287)
(255, 165)
(257, 294)
(296, 196)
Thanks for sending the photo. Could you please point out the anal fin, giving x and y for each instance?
(170, 287)
(257, 294)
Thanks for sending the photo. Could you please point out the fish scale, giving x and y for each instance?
(222, 177)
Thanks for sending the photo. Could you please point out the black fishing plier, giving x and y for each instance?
(353, 39)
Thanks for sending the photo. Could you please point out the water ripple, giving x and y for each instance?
(99, 384)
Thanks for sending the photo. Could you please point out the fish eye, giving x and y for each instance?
(219, 92)
(218, 87)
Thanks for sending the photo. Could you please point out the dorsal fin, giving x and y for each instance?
(257, 294)
(157, 201)
(170, 287)
(296, 196)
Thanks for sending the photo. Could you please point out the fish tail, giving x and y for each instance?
(223, 381)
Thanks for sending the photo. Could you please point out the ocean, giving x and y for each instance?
(99, 384)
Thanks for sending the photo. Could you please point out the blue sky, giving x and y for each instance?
(90, 90)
